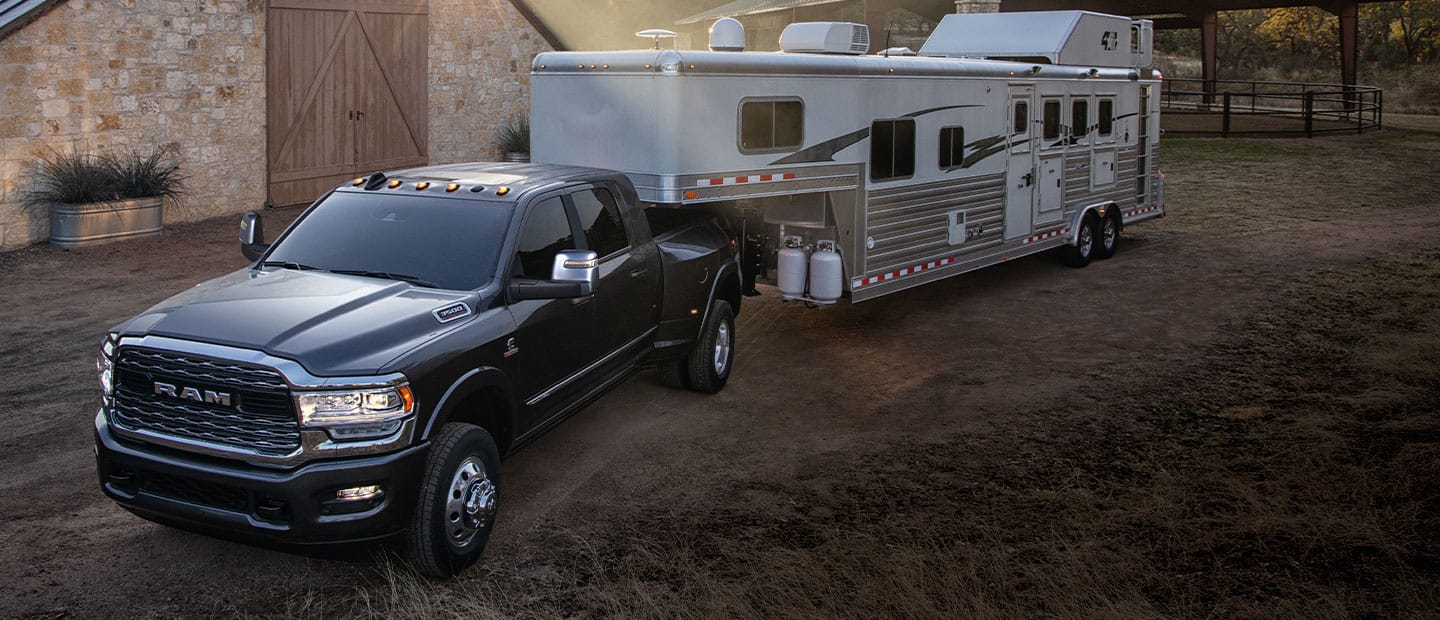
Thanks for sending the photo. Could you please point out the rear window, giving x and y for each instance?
(452, 242)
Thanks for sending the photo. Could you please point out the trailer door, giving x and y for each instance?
(1020, 166)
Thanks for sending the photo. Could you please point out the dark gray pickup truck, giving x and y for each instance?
(362, 378)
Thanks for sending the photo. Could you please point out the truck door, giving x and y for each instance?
(555, 338)
(1020, 168)
(627, 302)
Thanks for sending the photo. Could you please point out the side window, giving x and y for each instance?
(546, 231)
(1107, 117)
(1052, 119)
(1022, 117)
(771, 125)
(892, 149)
(952, 147)
(1080, 118)
(601, 220)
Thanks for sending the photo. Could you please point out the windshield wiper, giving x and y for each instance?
(285, 264)
(387, 275)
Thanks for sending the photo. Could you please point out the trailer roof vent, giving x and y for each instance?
(727, 35)
(826, 38)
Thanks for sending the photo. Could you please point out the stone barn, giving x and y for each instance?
(267, 102)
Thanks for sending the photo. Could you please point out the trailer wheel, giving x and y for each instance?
(1108, 241)
(673, 374)
(1086, 239)
(714, 355)
(459, 495)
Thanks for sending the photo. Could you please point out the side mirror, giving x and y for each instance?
(575, 274)
(252, 236)
(579, 266)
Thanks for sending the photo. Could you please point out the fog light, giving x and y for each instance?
(355, 494)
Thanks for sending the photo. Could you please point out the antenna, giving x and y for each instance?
(656, 34)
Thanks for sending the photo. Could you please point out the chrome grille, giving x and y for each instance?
(261, 417)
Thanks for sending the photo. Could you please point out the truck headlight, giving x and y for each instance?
(105, 365)
(356, 414)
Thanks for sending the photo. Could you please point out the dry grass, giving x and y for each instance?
(1295, 472)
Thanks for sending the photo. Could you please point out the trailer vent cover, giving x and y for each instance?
(825, 38)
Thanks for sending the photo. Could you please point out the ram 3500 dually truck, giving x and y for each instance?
(360, 380)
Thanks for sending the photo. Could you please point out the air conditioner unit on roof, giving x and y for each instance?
(825, 38)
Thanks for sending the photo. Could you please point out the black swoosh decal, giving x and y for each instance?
(825, 151)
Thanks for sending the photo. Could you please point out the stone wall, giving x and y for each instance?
(480, 53)
(101, 75)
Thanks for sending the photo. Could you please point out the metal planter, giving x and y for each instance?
(102, 222)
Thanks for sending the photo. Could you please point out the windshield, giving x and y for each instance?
(430, 241)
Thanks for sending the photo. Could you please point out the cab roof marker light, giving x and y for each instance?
(393, 184)
(358, 182)
(452, 187)
(422, 186)
(478, 188)
(502, 191)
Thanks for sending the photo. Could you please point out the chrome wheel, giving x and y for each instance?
(1109, 233)
(722, 348)
(1087, 241)
(470, 505)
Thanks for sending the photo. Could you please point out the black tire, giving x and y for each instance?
(1107, 241)
(443, 541)
(673, 374)
(712, 358)
(1079, 255)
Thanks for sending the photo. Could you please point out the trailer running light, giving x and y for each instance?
(452, 187)
(355, 494)
(394, 184)
(422, 186)
(502, 191)
(691, 195)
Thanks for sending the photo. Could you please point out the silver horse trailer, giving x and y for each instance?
(865, 174)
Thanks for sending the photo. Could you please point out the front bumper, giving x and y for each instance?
(287, 506)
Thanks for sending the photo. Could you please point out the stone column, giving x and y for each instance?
(977, 6)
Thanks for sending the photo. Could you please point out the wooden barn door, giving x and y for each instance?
(347, 92)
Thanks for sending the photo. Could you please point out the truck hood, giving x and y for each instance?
(333, 325)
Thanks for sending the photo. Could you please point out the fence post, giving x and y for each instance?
(1225, 118)
(1379, 109)
(1309, 114)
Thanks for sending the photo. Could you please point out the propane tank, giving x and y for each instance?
(827, 279)
(793, 269)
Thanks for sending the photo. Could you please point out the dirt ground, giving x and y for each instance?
(1233, 417)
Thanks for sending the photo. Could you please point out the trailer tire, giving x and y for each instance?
(1079, 255)
(1107, 243)
(714, 355)
(459, 494)
(673, 374)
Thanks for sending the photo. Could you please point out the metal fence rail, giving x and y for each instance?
(1274, 108)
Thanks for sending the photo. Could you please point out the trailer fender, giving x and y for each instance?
(1101, 209)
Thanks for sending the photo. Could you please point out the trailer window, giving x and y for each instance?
(1080, 118)
(1022, 117)
(952, 147)
(1052, 119)
(1107, 117)
(892, 149)
(771, 125)
(601, 220)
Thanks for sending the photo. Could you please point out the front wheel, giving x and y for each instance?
(1079, 255)
(459, 496)
(710, 361)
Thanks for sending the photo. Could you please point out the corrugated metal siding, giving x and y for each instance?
(910, 225)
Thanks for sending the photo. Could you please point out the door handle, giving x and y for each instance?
(639, 272)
